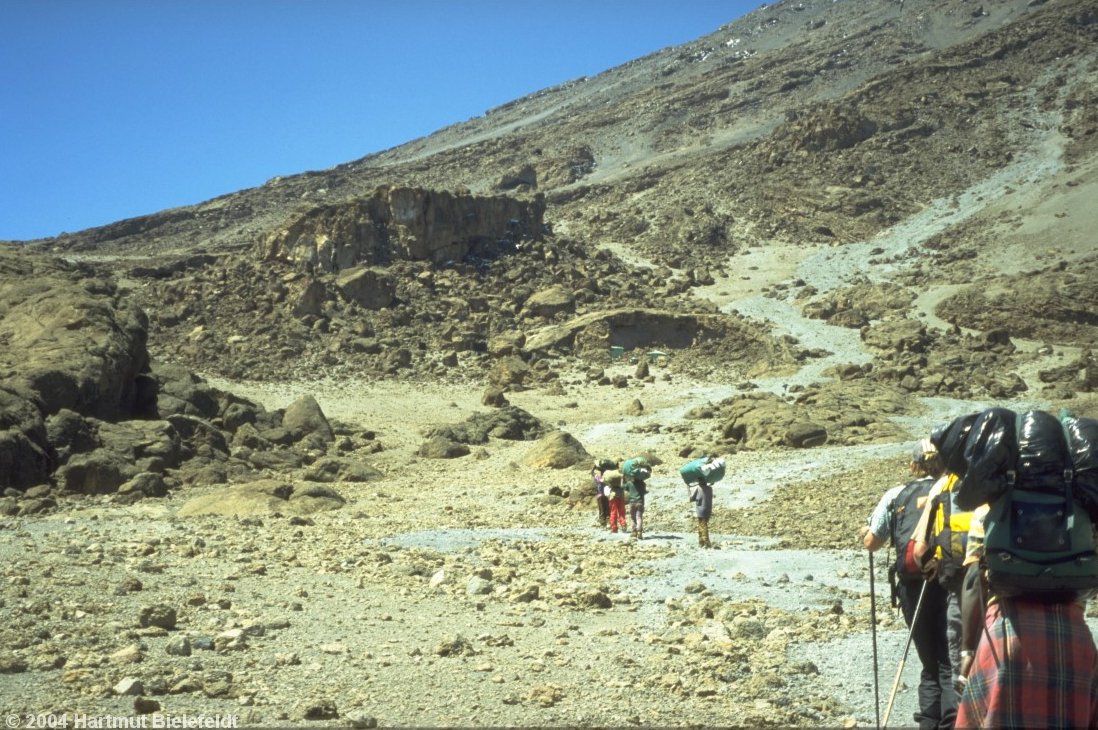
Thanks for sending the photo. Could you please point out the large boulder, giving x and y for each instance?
(510, 423)
(901, 335)
(72, 340)
(26, 458)
(263, 497)
(99, 472)
(370, 288)
(548, 303)
(180, 391)
(304, 417)
(441, 447)
(556, 450)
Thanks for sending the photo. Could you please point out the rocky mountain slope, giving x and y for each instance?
(808, 124)
(798, 241)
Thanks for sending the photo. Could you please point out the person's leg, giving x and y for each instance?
(617, 513)
(927, 635)
(944, 646)
(953, 627)
(704, 502)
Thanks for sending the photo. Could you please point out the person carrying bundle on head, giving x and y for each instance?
(615, 495)
(635, 475)
(700, 475)
(601, 494)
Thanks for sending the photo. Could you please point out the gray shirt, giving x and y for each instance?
(880, 522)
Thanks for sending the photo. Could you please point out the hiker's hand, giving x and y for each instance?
(962, 672)
(930, 569)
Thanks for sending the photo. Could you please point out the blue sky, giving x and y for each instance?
(116, 108)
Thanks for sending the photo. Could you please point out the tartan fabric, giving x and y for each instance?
(1039, 669)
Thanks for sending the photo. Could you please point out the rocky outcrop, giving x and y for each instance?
(370, 288)
(68, 340)
(717, 339)
(556, 450)
(826, 413)
(856, 306)
(404, 223)
(84, 411)
(509, 423)
(263, 497)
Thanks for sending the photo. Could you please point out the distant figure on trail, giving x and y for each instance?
(615, 494)
(635, 473)
(700, 475)
(602, 500)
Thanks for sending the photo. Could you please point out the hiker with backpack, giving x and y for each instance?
(700, 475)
(615, 495)
(601, 499)
(942, 533)
(635, 475)
(922, 601)
(1029, 658)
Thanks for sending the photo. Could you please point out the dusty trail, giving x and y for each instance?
(835, 574)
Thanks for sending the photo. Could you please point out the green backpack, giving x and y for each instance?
(636, 468)
(1040, 545)
(1039, 541)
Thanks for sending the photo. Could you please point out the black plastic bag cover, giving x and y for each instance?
(1043, 453)
(950, 442)
(991, 451)
(1082, 435)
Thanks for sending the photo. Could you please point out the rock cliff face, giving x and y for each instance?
(71, 338)
(404, 224)
(70, 341)
(84, 410)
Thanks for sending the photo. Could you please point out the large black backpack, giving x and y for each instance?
(1039, 538)
(906, 511)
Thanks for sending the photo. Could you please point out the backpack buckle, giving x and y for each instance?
(1011, 477)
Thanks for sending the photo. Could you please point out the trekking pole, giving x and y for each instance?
(903, 659)
(873, 625)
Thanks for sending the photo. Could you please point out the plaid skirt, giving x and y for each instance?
(1039, 668)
